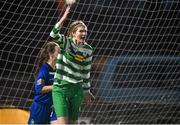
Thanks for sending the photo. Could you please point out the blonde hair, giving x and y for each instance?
(73, 27)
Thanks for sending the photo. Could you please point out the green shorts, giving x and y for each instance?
(67, 100)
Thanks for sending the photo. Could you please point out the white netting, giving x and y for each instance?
(135, 73)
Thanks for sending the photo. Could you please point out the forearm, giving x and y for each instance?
(55, 31)
(59, 24)
(46, 89)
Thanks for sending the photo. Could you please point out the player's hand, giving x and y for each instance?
(89, 97)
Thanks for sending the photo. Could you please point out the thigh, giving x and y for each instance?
(75, 105)
(59, 102)
(39, 114)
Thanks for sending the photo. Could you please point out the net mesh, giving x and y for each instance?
(135, 70)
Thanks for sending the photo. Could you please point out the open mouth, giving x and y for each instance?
(83, 37)
(82, 40)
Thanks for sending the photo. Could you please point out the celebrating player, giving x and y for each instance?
(72, 77)
(42, 109)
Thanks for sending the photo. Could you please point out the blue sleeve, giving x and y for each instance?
(41, 79)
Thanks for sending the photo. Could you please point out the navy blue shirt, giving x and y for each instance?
(45, 77)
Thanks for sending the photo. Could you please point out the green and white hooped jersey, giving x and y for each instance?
(73, 63)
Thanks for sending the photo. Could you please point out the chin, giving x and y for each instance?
(82, 42)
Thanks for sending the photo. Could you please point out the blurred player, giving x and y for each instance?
(41, 111)
(72, 77)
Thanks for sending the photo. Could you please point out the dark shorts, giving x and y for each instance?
(41, 114)
(67, 100)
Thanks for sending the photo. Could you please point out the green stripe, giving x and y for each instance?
(86, 80)
(59, 81)
(64, 73)
(65, 42)
(88, 47)
(86, 88)
(55, 30)
(73, 68)
(57, 38)
(63, 82)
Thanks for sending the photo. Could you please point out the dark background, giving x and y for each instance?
(136, 46)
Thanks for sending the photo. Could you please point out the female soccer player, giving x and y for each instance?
(42, 108)
(73, 70)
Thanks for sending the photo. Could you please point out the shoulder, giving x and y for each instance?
(44, 67)
(87, 46)
(89, 49)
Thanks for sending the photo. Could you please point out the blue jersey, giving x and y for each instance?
(42, 111)
(45, 77)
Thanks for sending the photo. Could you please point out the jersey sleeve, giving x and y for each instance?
(41, 80)
(59, 38)
(87, 82)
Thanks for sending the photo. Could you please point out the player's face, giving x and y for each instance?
(80, 34)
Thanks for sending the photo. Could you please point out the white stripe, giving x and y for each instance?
(76, 74)
(86, 85)
(65, 78)
(51, 73)
(52, 34)
(89, 59)
(56, 83)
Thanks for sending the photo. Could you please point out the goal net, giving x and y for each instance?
(135, 70)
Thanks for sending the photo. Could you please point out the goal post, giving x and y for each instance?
(135, 70)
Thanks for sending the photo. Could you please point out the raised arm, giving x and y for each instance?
(63, 18)
(55, 31)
